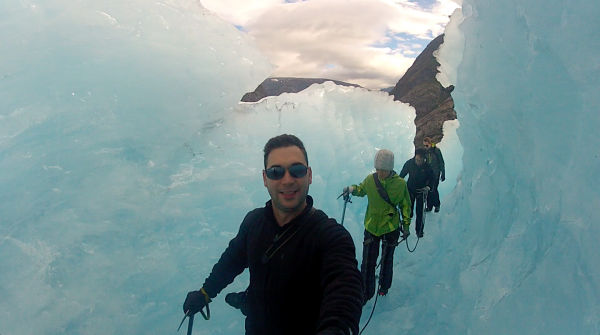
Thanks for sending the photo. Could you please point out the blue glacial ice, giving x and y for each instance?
(127, 164)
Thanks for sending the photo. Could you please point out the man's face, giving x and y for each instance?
(419, 159)
(288, 194)
(426, 144)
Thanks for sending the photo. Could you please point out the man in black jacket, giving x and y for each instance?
(420, 181)
(434, 157)
(304, 277)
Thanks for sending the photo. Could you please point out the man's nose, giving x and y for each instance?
(287, 177)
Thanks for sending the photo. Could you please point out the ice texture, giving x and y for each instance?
(519, 252)
(127, 165)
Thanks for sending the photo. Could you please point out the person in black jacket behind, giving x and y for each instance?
(304, 277)
(434, 157)
(420, 180)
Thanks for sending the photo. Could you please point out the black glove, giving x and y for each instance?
(405, 234)
(443, 176)
(194, 302)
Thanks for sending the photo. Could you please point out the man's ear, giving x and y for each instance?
(309, 175)
(264, 178)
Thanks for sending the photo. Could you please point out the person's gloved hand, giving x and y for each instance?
(195, 301)
(443, 177)
(348, 190)
(405, 231)
(426, 188)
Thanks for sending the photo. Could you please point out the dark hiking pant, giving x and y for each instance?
(369, 262)
(417, 199)
(433, 198)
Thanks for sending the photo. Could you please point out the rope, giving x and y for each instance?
(415, 248)
(422, 193)
(375, 304)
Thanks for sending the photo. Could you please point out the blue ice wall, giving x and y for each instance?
(126, 166)
(520, 252)
(97, 101)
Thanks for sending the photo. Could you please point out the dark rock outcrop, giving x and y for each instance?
(278, 85)
(419, 88)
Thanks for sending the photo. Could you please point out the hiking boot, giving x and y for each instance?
(237, 301)
(383, 292)
(429, 209)
(419, 235)
(437, 209)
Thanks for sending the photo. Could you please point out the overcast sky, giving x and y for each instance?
(366, 42)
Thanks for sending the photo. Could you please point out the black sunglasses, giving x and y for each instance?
(277, 172)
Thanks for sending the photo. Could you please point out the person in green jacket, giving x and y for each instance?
(382, 220)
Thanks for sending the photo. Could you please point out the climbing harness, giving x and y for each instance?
(381, 258)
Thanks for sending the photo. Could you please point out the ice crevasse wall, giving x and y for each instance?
(105, 175)
(98, 101)
(523, 257)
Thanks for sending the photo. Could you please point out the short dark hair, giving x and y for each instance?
(284, 141)
(420, 152)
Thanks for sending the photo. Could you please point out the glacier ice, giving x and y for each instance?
(520, 241)
(127, 165)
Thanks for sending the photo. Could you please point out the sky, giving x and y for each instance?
(366, 42)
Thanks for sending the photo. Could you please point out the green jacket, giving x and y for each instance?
(381, 218)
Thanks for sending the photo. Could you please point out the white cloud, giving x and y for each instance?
(238, 12)
(336, 39)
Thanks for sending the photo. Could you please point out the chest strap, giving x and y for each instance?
(280, 241)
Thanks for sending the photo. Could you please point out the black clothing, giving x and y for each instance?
(194, 302)
(433, 198)
(419, 176)
(389, 242)
(238, 301)
(311, 285)
(436, 160)
(417, 199)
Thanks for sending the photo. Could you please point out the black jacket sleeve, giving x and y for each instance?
(404, 171)
(430, 175)
(441, 162)
(233, 261)
(341, 282)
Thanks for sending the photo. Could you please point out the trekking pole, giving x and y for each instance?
(191, 321)
(346, 201)
(190, 325)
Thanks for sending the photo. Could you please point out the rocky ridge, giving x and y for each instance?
(278, 85)
(418, 87)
